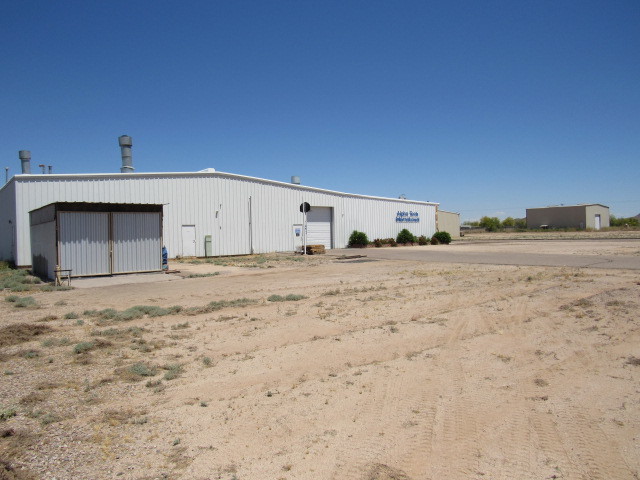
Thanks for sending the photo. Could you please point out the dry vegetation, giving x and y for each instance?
(323, 368)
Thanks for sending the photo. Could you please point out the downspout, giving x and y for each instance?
(250, 226)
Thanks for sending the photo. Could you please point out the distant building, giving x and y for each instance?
(594, 216)
(448, 222)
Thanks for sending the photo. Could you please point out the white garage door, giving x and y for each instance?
(319, 226)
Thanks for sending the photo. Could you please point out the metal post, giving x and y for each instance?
(6, 174)
(304, 230)
(250, 226)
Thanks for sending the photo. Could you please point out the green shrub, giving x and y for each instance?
(435, 241)
(71, 315)
(358, 239)
(443, 237)
(174, 370)
(509, 222)
(6, 413)
(292, 297)
(491, 224)
(142, 370)
(31, 353)
(377, 243)
(405, 236)
(83, 347)
(422, 240)
(623, 222)
(213, 274)
(520, 223)
(20, 288)
(25, 302)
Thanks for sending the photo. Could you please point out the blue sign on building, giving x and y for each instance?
(407, 217)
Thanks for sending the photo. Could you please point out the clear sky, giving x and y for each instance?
(488, 107)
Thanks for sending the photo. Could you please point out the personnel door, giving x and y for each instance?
(188, 240)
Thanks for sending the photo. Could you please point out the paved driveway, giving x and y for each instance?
(493, 254)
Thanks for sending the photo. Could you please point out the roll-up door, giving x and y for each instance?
(84, 242)
(319, 226)
(137, 241)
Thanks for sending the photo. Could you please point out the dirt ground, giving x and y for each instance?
(382, 370)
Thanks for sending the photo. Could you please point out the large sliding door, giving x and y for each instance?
(136, 242)
(104, 243)
(84, 242)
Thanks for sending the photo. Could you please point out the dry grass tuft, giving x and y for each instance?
(21, 332)
(380, 471)
(633, 361)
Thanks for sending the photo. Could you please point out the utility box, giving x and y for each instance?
(208, 246)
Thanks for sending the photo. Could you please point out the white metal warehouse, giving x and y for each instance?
(208, 213)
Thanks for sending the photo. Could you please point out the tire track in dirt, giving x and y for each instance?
(595, 453)
(454, 440)
(550, 445)
(378, 427)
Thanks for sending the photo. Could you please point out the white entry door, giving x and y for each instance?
(597, 222)
(297, 238)
(188, 240)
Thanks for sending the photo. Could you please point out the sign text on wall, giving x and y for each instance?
(407, 217)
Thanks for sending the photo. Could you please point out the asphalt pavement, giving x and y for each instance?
(450, 254)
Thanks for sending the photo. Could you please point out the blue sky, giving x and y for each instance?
(486, 107)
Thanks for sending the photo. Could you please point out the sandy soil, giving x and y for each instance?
(386, 370)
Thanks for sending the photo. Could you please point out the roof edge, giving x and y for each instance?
(570, 206)
(41, 177)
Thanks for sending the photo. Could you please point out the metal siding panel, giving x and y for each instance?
(84, 242)
(43, 249)
(8, 222)
(194, 200)
(137, 244)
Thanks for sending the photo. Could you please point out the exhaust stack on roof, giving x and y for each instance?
(295, 180)
(25, 158)
(125, 147)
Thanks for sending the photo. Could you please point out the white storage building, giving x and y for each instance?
(204, 213)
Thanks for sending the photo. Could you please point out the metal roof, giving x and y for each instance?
(124, 176)
(569, 206)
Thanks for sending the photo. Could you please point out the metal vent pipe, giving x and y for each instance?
(125, 147)
(25, 158)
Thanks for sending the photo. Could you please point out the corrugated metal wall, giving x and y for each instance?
(591, 211)
(8, 222)
(449, 222)
(218, 205)
(84, 242)
(44, 254)
(44, 249)
(136, 242)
